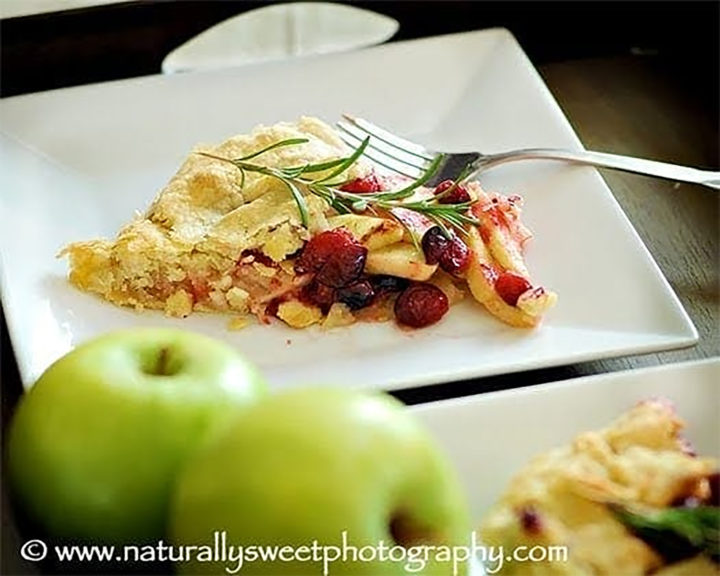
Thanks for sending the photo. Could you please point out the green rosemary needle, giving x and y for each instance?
(675, 533)
(298, 180)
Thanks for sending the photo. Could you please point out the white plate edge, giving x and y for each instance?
(579, 382)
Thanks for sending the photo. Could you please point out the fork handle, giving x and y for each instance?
(604, 160)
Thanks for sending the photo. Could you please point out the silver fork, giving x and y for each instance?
(412, 160)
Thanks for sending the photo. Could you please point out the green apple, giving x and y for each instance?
(95, 445)
(305, 466)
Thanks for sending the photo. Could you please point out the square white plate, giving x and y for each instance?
(76, 163)
(534, 420)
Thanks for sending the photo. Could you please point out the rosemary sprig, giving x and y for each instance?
(676, 533)
(298, 182)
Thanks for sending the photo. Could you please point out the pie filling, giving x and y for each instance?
(221, 239)
(570, 498)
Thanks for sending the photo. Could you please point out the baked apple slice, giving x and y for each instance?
(497, 274)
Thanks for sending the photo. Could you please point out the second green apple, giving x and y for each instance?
(308, 465)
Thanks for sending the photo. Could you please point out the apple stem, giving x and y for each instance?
(162, 364)
(406, 533)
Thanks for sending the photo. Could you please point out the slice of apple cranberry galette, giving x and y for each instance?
(630, 498)
(288, 222)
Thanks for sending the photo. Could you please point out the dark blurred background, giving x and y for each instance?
(129, 39)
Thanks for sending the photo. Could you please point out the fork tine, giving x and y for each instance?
(391, 139)
(383, 148)
(382, 159)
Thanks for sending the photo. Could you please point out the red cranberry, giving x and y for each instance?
(318, 294)
(365, 185)
(320, 248)
(384, 284)
(530, 520)
(456, 257)
(434, 244)
(344, 267)
(458, 195)
(451, 253)
(420, 305)
(510, 286)
(356, 295)
(335, 256)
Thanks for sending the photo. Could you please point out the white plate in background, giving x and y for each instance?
(281, 31)
(77, 163)
(491, 437)
(18, 8)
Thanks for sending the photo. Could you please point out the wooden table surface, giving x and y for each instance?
(629, 104)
